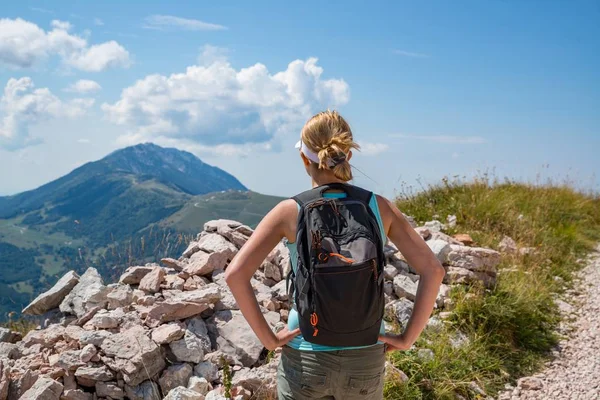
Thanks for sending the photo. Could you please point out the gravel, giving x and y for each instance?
(574, 372)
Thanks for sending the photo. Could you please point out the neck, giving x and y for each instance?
(325, 178)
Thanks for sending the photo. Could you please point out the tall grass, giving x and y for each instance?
(511, 327)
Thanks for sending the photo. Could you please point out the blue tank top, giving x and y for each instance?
(298, 342)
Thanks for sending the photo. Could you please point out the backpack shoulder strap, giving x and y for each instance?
(351, 190)
(307, 196)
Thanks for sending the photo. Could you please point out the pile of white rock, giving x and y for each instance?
(169, 331)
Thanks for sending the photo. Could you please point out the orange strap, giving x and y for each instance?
(348, 260)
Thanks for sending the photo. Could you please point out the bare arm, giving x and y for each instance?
(273, 227)
(421, 258)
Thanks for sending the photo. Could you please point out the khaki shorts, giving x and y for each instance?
(331, 375)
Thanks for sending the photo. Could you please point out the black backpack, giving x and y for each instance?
(338, 285)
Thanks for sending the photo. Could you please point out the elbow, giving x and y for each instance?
(439, 272)
(230, 276)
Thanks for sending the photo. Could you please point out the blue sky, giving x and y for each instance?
(431, 89)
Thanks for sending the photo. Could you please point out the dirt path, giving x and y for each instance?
(575, 371)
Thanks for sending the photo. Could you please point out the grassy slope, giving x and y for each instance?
(510, 328)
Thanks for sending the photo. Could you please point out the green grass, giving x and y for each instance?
(23, 287)
(510, 327)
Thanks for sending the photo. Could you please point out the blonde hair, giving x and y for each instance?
(329, 135)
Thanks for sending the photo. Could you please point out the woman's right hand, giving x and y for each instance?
(395, 342)
(282, 338)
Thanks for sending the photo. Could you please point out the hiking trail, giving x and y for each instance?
(574, 371)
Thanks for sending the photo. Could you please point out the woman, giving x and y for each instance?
(308, 370)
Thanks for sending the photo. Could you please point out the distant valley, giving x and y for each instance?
(135, 205)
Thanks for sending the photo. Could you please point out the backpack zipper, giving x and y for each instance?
(374, 269)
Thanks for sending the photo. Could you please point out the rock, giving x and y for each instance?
(89, 292)
(458, 275)
(8, 336)
(394, 374)
(389, 272)
(215, 243)
(399, 310)
(199, 328)
(133, 275)
(434, 226)
(68, 360)
(440, 248)
(261, 381)
(464, 239)
(199, 385)
(526, 251)
(405, 287)
(4, 378)
(104, 320)
(147, 390)
(9, 350)
(474, 258)
(423, 232)
(215, 394)
(451, 219)
(150, 283)
(272, 271)
(174, 282)
(43, 389)
(76, 394)
(507, 245)
(232, 327)
(47, 337)
(87, 353)
(174, 376)
(88, 376)
(87, 316)
(530, 383)
(185, 304)
(119, 296)
(201, 263)
(221, 224)
(173, 310)
(183, 393)
(96, 337)
(188, 349)
(165, 334)
(110, 390)
(20, 384)
(207, 370)
(136, 356)
(173, 263)
(52, 298)
(443, 294)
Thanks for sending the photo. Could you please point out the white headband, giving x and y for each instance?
(311, 155)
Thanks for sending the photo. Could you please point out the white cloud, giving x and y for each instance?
(83, 86)
(23, 44)
(21, 105)
(442, 138)
(216, 105)
(455, 155)
(373, 149)
(98, 22)
(211, 54)
(409, 54)
(166, 22)
(84, 141)
(100, 57)
(41, 10)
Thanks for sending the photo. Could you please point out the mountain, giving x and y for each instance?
(136, 204)
(175, 169)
